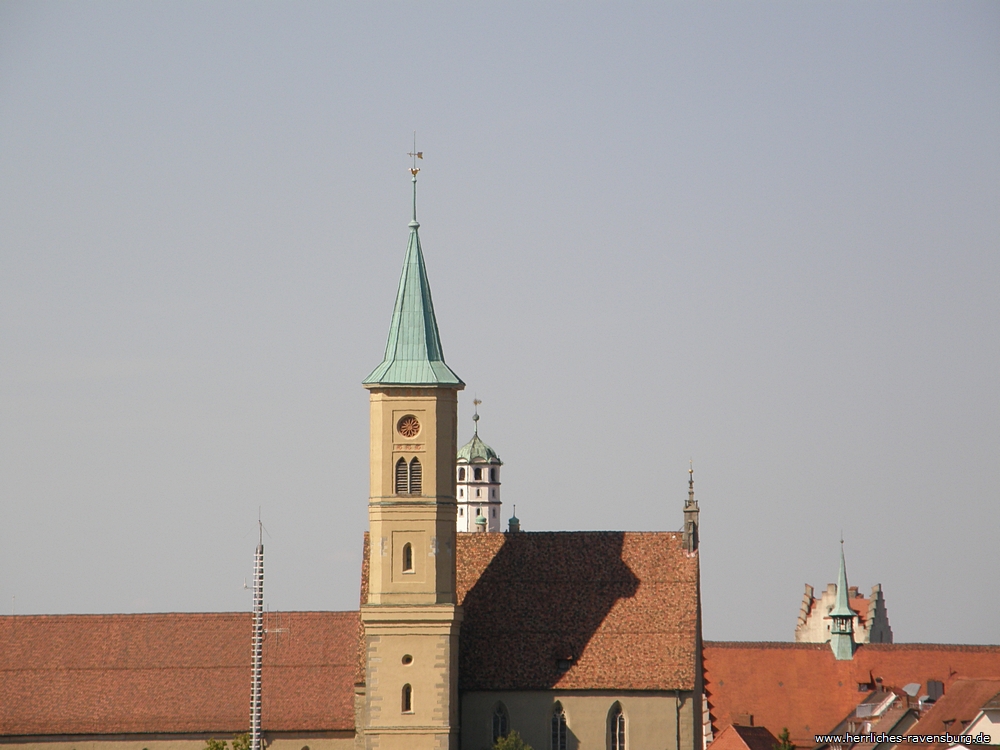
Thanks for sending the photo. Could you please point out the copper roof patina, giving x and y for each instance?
(476, 451)
(413, 354)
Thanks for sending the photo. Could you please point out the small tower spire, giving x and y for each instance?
(413, 354)
(691, 514)
(475, 417)
(842, 629)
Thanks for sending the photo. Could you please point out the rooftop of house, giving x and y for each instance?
(736, 737)
(803, 687)
(954, 711)
(173, 673)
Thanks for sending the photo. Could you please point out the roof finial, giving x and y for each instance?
(414, 154)
(475, 417)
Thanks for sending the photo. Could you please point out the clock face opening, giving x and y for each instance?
(408, 426)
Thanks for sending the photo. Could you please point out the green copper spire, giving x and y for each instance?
(413, 354)
(842, 629)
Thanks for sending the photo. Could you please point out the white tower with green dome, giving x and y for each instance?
(477, 484)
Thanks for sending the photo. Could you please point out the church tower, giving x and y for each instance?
(411, 618)
(477, 473)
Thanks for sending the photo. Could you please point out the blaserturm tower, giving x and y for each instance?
(411, 618)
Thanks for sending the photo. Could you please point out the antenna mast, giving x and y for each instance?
(257, 641)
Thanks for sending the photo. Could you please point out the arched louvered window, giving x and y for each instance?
(407, 558)
(616, 727)
(415, 476)
(501, 722)
(408, 477)
(477, 474)
(402, 477)
(461, 475)
(407, 699)
(559, 730)
(493, 475)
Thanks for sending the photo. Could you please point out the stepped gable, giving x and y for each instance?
(577, 611)
(803, 687)
(173, 673)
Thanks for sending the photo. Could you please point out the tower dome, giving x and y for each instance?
(477, 482)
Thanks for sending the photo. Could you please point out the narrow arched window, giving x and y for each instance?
(407, 699)
(415, 476)
(407, 558)
(501, 722)
(559, 730)
(402, 477)
(461, 475)
(477, 474)
(493, 475)
(616, 727)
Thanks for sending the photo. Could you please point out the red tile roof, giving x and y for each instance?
(744, 738)
(802, 687)
(954, 710)
(623, 607)
(177, 672)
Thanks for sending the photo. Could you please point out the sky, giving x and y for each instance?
(759, 236)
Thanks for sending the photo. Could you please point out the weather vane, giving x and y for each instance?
(414, 154)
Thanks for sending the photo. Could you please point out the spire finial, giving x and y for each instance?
(475, 417)
(414, 155)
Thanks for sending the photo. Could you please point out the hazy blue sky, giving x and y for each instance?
(764, 236)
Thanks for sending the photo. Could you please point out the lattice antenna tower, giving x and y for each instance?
(257, 643)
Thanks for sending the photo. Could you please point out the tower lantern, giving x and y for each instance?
(842, 627)
(477, 476)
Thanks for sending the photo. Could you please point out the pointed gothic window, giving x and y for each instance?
(402, 477)
(461, 475)
(415, 476)
(616, 727)
(407, 699)
(559, 730)
(407, 558)
(501, 722)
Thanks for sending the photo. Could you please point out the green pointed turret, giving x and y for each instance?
(842, 628)
(413, 354)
